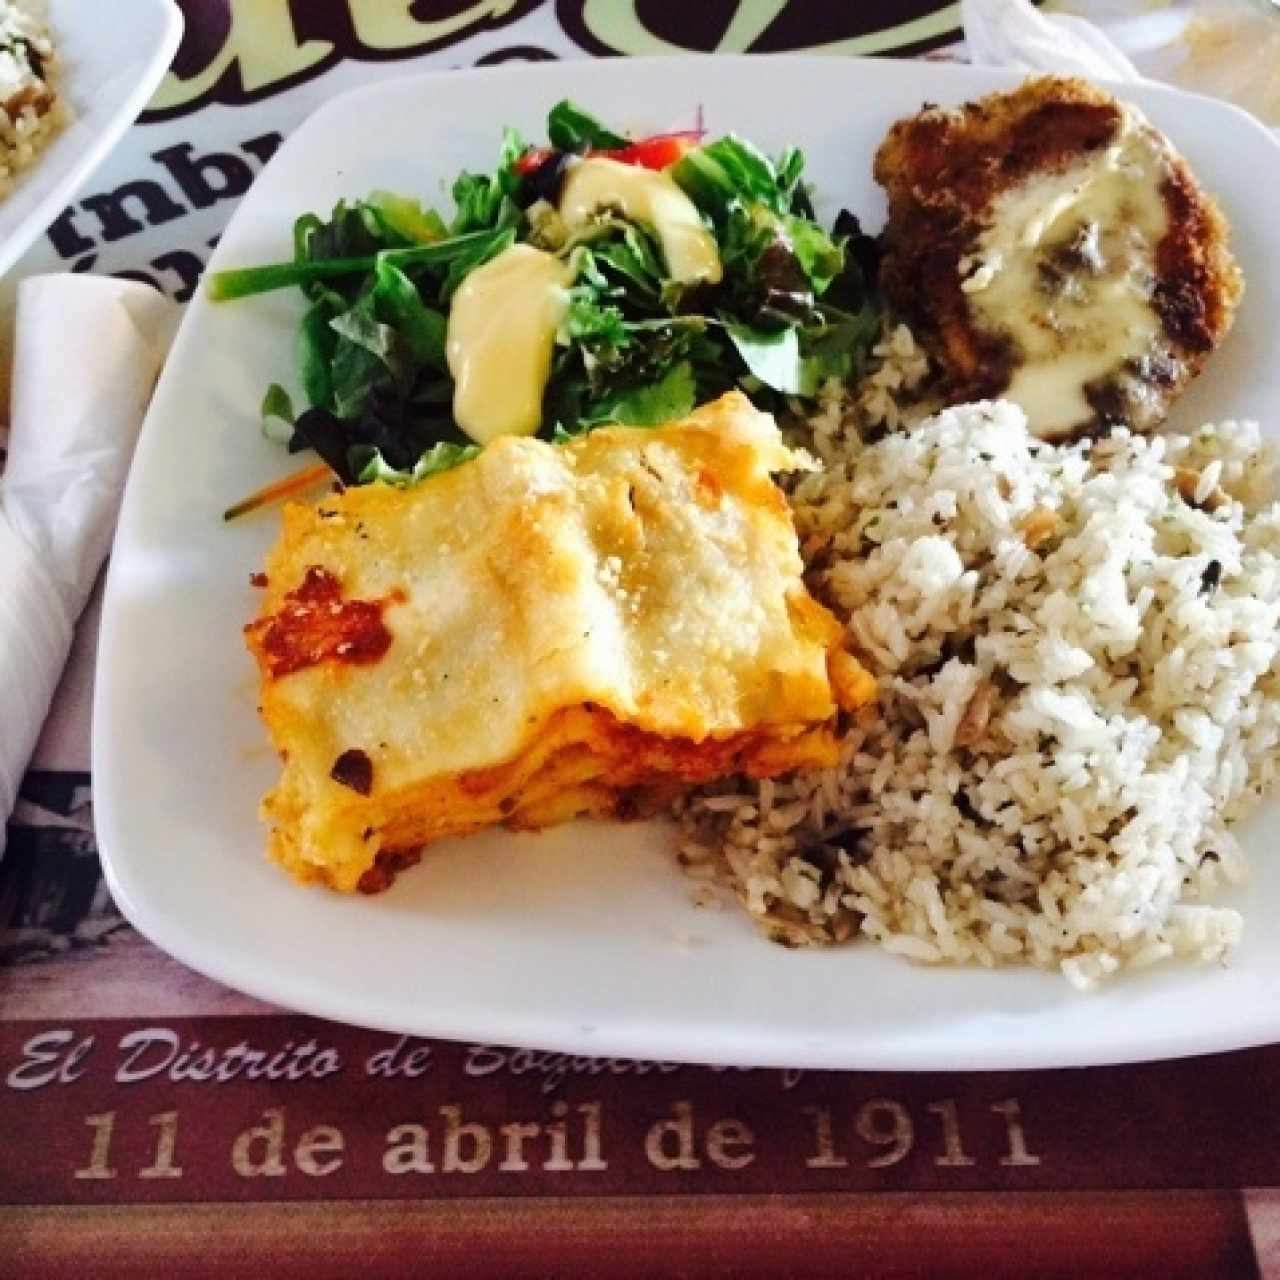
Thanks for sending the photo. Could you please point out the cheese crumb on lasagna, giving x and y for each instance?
(548, 631)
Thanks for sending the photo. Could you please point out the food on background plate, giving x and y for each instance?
(546, 632)
(32, 108)
(1049, 246)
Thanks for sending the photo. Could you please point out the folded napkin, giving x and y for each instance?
(86, 354)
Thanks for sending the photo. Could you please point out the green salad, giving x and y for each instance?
(779, 305)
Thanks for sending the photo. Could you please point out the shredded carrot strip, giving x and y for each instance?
(295, 483)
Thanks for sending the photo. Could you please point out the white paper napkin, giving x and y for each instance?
(86, 354)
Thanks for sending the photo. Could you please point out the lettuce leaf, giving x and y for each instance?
(650, 404)
(570, 128)
(370, 467)
(397, 302)
(277, 414)
(819, 256)
(405, 217)
(774, 358)
(485, 201)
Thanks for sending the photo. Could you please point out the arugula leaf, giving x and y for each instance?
(513, 146)
(406, 218)
(351, 232)
(277, 414)
(765, 222)
(651, 349)
(588, 320)
(789, 167)
(361, 327)
(620, 260)
(818, 254)
(619, 374)
(582, 262)
(833, 350)
(747, 168)
(570, 128)
(304, 228)
(839, 351)
(718, 175)
(314, 347)
(651, 404)
(482, 204)
(774, 358)
(369, 466)
(355, 370)
(706, 184)
(366, 352)
(397, 301)
(633, 257)
(485, 201)
(743, 237)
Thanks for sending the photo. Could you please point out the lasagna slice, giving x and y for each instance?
(544, 632)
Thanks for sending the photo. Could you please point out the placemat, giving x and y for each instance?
(151, 1119)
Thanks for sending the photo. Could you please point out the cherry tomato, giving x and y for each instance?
(654, 153)
(532, 159)
(658, 152)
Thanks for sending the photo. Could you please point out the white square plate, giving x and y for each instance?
(584, 938)
(113, 59)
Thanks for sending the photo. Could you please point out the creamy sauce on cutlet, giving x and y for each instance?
(1067, 271)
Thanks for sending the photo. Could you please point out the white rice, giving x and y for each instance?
(32, 109)
(1064, 731)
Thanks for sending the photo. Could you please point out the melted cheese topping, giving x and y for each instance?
(647, 196)
(502, 328)
(649, 578)
(1067, 270)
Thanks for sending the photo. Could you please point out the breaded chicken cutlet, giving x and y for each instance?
(1049, 246)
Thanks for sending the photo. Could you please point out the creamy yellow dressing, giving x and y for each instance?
(1067, 269)
(502, 328)
(650, 197)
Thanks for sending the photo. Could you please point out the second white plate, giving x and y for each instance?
(111, 67)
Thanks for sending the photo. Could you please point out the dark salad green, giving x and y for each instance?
(793, 309)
